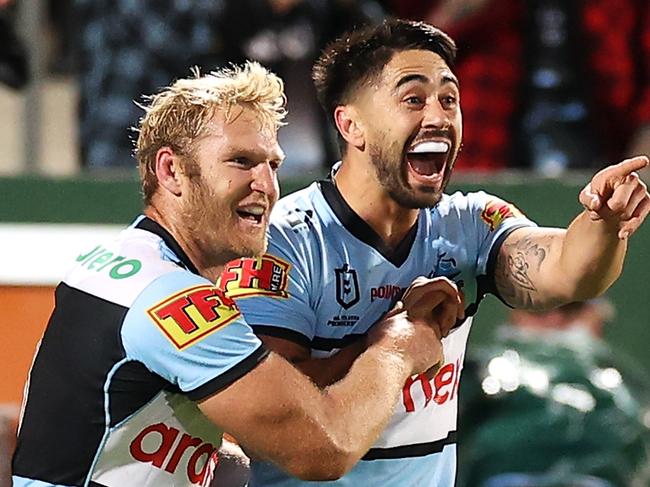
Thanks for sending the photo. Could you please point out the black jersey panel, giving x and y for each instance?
(80, 346)
(132, 386)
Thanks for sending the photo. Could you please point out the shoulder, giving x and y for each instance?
(299, 221)
(120, 270)
(489, 208)
(297, 211)
(459, 202)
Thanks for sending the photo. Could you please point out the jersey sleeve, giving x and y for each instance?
(274, 291)
(493, 220)
(190, 333)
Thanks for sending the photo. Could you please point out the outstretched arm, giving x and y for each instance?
(541, 268)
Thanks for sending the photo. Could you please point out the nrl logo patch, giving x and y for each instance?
(261, 276)
(192, 314)
(347, 286)
(496, 210)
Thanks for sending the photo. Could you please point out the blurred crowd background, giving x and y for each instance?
(547, 85)
(548, 88)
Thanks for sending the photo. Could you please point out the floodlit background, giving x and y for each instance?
(551, 91)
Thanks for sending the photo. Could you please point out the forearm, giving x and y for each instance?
(591, 258)
(322, 371)
(327, 371)
(354, 412)
(544, 267)
(376, 378)
(313, 434)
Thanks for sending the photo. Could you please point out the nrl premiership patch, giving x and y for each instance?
(192, 314)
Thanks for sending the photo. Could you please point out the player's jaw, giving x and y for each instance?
(227, 227)
(415, 173)
(252, 217)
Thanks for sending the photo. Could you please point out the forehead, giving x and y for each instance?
(242, 129)
(405, 64)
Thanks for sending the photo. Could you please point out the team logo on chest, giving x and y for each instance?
(347, 286)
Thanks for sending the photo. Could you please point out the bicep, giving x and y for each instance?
(527, 273)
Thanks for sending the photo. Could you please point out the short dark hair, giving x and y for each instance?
(359, 55)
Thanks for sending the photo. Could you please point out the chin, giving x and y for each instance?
(253, 248)
(416, 198)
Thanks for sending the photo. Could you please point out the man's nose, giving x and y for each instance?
(265, 180)
(436, 116)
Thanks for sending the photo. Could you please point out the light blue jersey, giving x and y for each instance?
(137, 336)
(327, 278)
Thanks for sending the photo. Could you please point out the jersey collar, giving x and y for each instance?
(358, 227)
(149, 225)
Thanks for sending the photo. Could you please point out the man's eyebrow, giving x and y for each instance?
(253, 154)
(446, 78)
(412, 77)
(450, 78)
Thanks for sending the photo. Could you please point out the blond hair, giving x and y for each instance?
(179, 114)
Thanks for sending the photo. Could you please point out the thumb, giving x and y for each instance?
(590, 199)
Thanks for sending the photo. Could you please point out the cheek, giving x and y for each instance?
(458, 122)
(276, 190)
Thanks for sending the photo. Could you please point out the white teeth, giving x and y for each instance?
(254, 210)
(430, 147)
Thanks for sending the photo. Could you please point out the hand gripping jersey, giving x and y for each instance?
(327, 278)
(135, 338)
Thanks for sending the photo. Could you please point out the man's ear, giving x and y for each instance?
(349, 126)
(168, 170)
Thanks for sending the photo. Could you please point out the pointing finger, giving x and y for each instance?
(622, 169)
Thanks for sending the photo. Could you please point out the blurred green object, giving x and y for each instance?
(549, 410)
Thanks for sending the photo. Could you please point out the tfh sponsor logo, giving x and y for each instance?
(165, 448)
(261, 276)
(443, 387)
(192, 314)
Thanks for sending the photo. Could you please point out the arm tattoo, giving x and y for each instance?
(517, 267)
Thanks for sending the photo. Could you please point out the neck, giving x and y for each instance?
(359, 187)
(191, 247)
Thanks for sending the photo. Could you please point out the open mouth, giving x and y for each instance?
(427, 160)
(252, 213)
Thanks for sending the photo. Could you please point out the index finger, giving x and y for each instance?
(628, 166)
